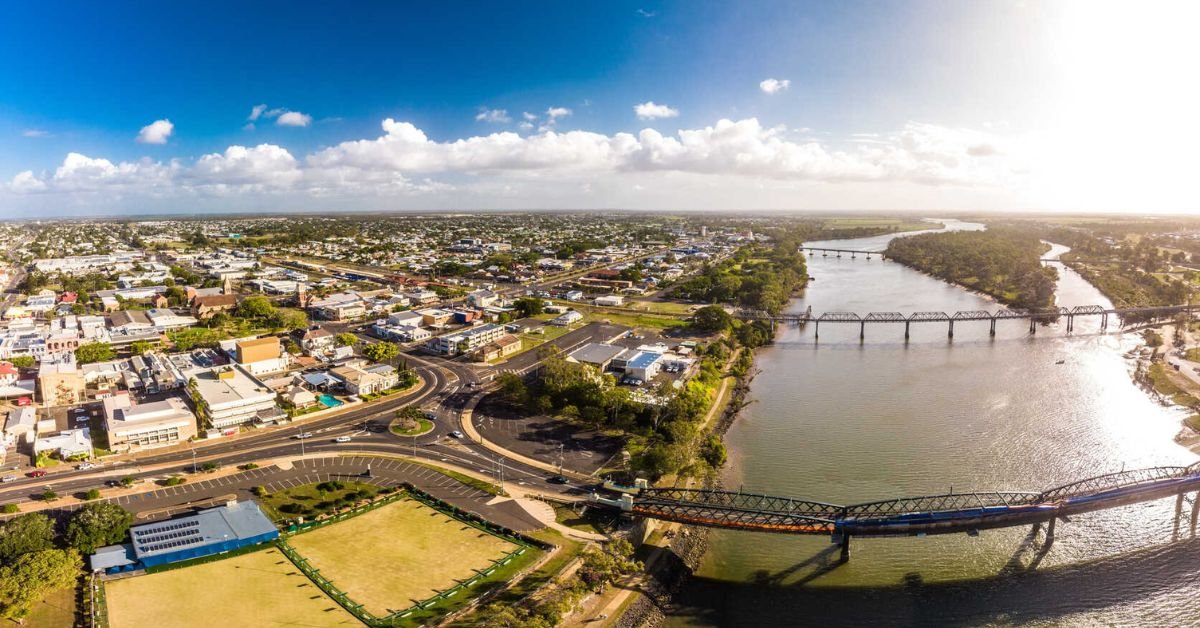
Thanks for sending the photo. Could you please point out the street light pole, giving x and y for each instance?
(301, 439)
(193, 458)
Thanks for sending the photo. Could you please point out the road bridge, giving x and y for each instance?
(948, 513)
(1124, 315)
(855, 253)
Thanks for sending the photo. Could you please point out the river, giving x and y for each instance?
(845, 421)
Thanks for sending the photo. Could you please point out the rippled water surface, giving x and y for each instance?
(843, 420)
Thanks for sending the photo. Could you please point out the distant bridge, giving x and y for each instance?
(1034, 317)
(948, 513)
(854, 253)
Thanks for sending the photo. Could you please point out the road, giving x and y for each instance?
(445, 387)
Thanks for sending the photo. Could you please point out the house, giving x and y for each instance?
(151, 424)
(502, 347)
(365, 381)
(422, 297)
(67, 444)
(407, 318)
(573, 295)
(434, 317)
(204, 307)
(611, 300)
(317, 340)
(21, 423)
(164, 319)
(299, 397)
(566, 318)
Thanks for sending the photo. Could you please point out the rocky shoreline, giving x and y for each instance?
(688, 547)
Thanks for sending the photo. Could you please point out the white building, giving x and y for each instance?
(466, 340)
(148, 424)
(68, 444)
(230, 396)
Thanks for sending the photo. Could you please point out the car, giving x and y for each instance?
(558, 479)
(37, 473)
(353, 399)
(8, 478)
(457, 434)
(430, 414)
(303, 436)
(112, 483)
(342, 439)
(85, 466)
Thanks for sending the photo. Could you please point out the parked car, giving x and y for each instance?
(8, 478)
(37, 473)
(342, 439)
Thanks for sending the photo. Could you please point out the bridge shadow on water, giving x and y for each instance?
(1021, 593)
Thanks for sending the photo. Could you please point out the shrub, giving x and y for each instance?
(11, 508)
(259, 491)
(248, 466)
(92, 494)
(175, 480)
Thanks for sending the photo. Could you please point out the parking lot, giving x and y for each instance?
(539, 437)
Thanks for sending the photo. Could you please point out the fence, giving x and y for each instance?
(524, 543)
(98, 611)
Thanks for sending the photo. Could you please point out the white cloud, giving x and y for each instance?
(554, 113)
(256, 112)
(495, 116)
(721, 161)
(156, 132)
(650, 111)
(293, 118)
(35, 133)
(774, 86)
(524, 126)
(26, 182)
(528, 116)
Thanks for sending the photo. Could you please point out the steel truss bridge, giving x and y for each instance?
(915, 516)
(854, 253)
(1124, 315)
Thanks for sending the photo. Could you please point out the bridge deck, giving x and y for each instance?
(933, 514)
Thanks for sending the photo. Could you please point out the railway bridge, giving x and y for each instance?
(1124, 315)
(948, 513)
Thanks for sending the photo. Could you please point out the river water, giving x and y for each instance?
(845, 421)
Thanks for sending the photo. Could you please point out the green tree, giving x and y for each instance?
(346, 339)
(712, 318)
(92, 494)
(30, 577)
(98, 524)
(529, 306)
(23, 361)
(256, 306)
(28, 533)
(382, 351)
(139, 347)
(94, 352)
(602, 567)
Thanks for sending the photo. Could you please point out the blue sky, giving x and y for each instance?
(886, 104)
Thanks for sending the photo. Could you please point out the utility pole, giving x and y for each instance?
(194, 468)
(560, 458)
(300, 434)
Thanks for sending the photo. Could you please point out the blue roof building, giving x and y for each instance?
(207, 532)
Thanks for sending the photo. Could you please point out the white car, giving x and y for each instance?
(303, 436)
(85, 466)
(456, 434)
(8, 478)
(342, 439)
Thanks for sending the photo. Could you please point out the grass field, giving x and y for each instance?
(310, 500)
(253, 590)
(413, 553)
(55, 611)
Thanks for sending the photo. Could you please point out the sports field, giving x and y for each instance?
(403, 553)
(254, 590)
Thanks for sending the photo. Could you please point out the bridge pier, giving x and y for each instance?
(1178, 514)
(1104, 321)
(862, 330)
(1032, 325)
(951, 332)
(853, 256)
(906, 324)
(1195, 513)
(992, 331)
(816, 329)
(844, 544)
(1070, 323)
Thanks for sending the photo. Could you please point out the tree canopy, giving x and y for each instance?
(382, 351)
(94, 352)
(29, 577)
(97, 524)
(1003, 263)
(28, 533)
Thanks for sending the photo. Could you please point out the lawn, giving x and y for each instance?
(310, 500)
(395, 556)
(423, 426)
(57, 609)
(258, 589)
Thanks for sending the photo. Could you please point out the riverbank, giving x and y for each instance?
(675, 562)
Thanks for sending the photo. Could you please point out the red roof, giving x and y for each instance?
(7, 368)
